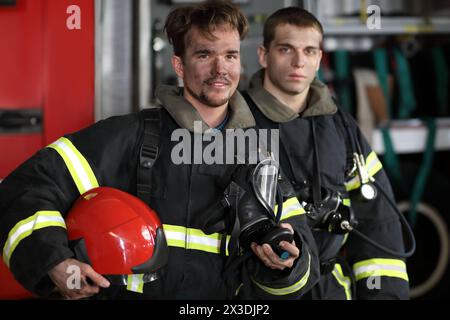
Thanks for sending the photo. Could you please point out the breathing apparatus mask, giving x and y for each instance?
(246, 210)
(329, 212)
(255, 206)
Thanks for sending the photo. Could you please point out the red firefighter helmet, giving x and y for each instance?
(10, 289)
(117, 234)
(113, 231)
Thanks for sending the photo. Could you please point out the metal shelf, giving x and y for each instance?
(389, 25)
(409, 136)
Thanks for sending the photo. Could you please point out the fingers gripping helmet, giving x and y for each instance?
(117, 234)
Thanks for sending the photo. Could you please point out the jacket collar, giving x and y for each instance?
(185, 114)
(319, 101)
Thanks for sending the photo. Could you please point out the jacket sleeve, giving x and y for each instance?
(378, 275)
(260, 282)
(33, 201)
(35, 198)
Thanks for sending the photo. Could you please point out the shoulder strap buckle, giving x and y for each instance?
(149, 152)
(148, 155)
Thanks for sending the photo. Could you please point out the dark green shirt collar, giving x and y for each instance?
(319, 101)
(184, 114)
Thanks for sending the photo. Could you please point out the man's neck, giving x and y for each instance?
(212, 116)
(295, 102)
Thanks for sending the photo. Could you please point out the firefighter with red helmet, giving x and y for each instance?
(133, 153)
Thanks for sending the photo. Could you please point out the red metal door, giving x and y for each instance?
(46, 84)
(21, 78)
(46, 75)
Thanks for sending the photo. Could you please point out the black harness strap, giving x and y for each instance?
(149, 152)
(317, 184)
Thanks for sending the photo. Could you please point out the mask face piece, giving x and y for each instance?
(255, 209)
(264, 182)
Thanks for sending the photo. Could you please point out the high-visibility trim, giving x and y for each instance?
(79, 168)
(292, 288)
(193, 239)
(344, 281)
(380, 267)
(135, 283)
(346, 202)
(344, 240)
(373, 165)
(24, 228)
(291, 208)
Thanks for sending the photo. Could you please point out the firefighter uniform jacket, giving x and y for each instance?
(35, 198)
(378, 275)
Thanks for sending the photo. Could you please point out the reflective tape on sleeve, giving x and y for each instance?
(380, 267)
(26, 227)
(79, 168)
(290, 289)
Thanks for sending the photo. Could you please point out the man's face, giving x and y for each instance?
(210, 68)
(292, 60)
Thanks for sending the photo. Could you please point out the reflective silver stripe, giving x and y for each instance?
(292, 288)
(25, 228)
(380, 267)
(194, 239)
(77, 165)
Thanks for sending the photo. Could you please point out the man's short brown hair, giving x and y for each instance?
(292, 15)
(206, 16)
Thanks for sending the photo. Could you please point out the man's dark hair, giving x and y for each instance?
(292, 15)
(206, 16)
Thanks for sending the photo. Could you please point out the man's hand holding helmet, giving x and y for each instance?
(89, 281)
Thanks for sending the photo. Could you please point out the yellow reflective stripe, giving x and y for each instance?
(353, 183)
(342, 280)
(24, 228)
(380, 267)
(290, 201)
(79, 168)
(346, 202)
(345, 239)
(194, 239)
(373, 165)
(287, 290)
(135, 283)
(291, 208)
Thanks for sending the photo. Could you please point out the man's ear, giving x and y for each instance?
(177, 64)
(320, 59)
(262, 56)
